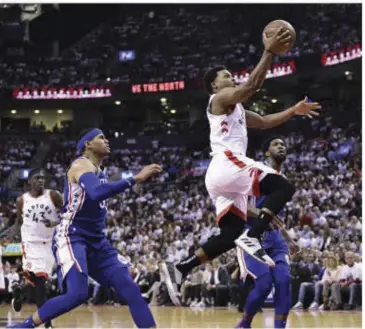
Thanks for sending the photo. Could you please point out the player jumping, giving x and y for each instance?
(80, 247)
(232, 176)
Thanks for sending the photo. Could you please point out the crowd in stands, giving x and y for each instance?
(14, 153)
(173, 215)
(192, 43)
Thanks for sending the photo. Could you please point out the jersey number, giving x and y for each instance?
(35, 217)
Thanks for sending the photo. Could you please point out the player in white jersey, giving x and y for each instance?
(232, 176)
(37, 215)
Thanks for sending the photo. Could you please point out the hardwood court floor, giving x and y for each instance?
(173, 317)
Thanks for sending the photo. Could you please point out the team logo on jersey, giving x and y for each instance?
(37, 212)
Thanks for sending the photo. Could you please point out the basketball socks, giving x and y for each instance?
(186, 265)
(40, 295)
(260, 225)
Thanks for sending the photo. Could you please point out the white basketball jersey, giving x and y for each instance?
(228, 131)
(34, 210)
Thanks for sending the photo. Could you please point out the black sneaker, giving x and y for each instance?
(48, 325)
(173, 278)
(16, 302)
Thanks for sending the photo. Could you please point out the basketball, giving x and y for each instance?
(273, 26)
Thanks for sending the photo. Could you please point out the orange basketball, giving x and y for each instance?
(273, 26)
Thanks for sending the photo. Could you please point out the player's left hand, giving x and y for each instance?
(307, 109)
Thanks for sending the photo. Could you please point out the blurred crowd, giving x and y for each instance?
(321, 28)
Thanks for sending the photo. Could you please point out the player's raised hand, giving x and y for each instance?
(147, 172)
(307, 108)
(275, 43)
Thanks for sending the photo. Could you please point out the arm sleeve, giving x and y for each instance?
(98, 191)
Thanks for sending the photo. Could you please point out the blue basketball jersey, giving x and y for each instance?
(84, 216)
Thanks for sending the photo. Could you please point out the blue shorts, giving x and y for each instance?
(95, 257)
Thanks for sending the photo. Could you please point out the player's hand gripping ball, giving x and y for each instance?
(273, 27)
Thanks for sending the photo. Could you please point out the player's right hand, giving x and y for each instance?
(147, 172)
(275, 43)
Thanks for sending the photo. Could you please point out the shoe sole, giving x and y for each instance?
(242, 246)
(169, 285)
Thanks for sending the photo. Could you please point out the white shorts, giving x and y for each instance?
(38, 259)
(230, 179)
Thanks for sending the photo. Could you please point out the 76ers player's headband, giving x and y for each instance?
(87, 138)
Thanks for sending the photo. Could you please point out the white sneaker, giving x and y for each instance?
(194, 303)
(298, 306)
(171, 277)
(321, 308)
(200, 304)
(314, 306)
(253, 247)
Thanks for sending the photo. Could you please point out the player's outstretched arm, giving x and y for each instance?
(257, 121)
(232, 95)
(83, 172)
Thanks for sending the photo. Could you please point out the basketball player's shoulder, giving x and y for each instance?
(81, 164)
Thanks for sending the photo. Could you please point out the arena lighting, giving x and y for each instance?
(157, 87)
(116, 134)
(341, 56)
(108, 79)
(163, 100)
(172, 111)
(13, 111)
(277, 70)
(36, 111)
(347, 73)
(117, 102)
(274, 100)
(59, 111)
(62, 93)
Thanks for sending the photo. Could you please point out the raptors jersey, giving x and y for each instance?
(82, 216)
(34, 211)
(228, 131)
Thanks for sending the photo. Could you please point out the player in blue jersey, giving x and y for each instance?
(80, 247)
(276, 243)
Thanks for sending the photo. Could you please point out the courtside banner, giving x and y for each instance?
(12, 249)
(46, 93)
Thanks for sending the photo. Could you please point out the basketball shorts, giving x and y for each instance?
(230, 179)
(38, 259)
(95, 257)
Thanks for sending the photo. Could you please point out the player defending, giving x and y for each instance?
(275, 242)
(80, 247)
(232, 176)
(37, 215)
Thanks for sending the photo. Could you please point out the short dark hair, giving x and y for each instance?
(210, 76)
(267, 142)
(34, 172)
